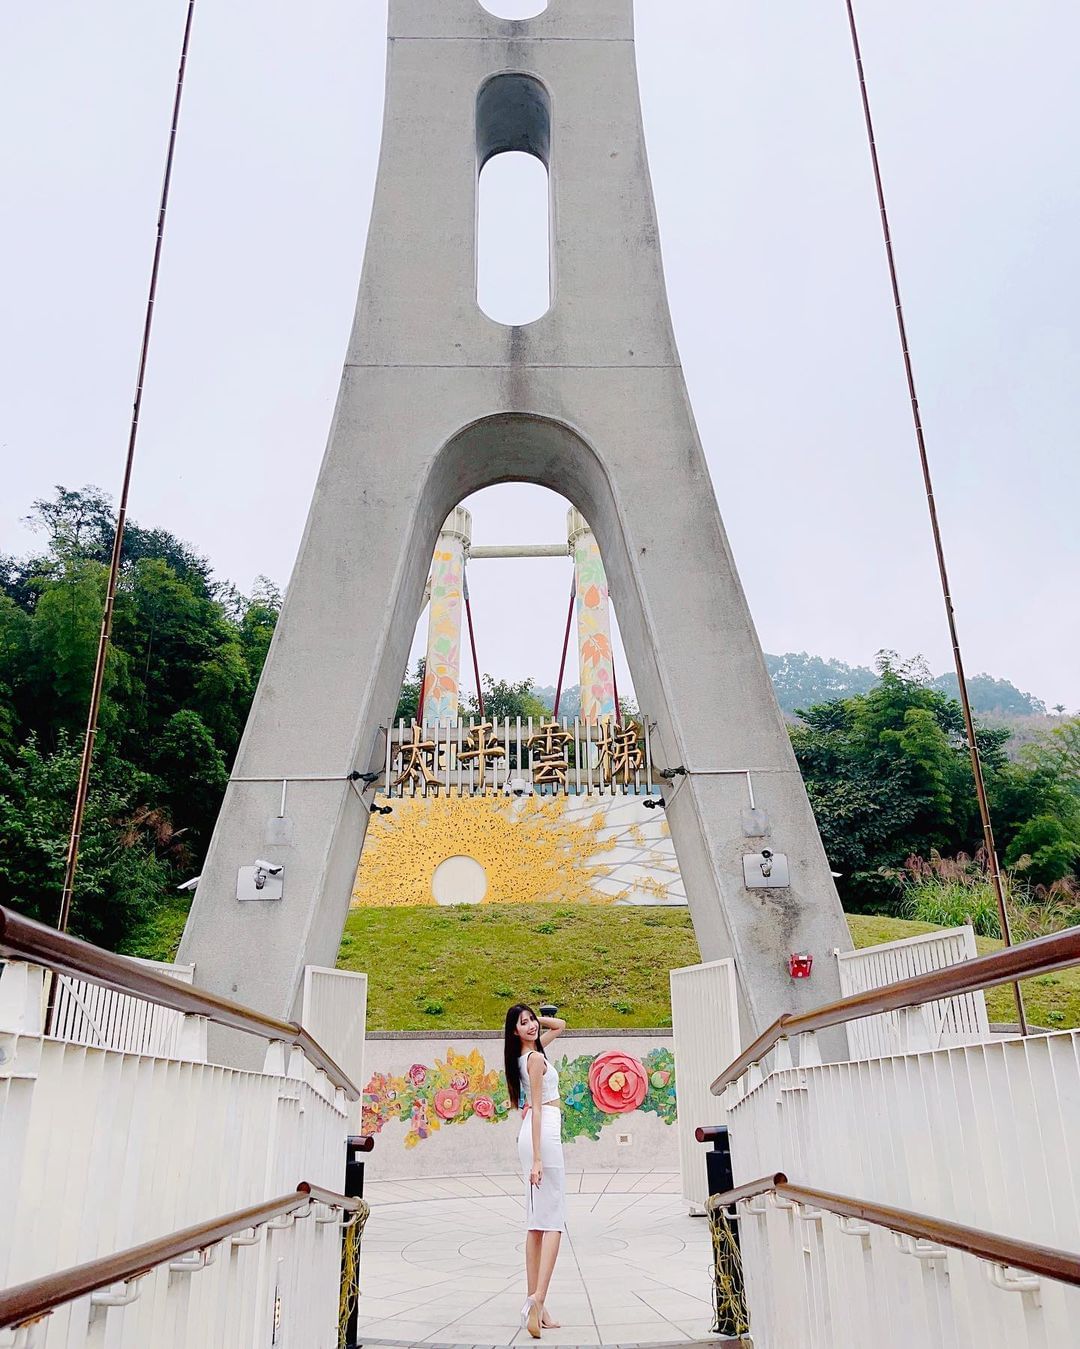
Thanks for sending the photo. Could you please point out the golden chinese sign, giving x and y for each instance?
(482, 746)
(550, 761)
(621, 756)
(419, 761)
(519, 759)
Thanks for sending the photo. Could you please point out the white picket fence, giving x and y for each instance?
(103, 1148)
(958, 1020)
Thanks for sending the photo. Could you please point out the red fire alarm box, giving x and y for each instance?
(800, 963)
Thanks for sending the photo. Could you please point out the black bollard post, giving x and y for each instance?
(355, 1146)
(729, 1299)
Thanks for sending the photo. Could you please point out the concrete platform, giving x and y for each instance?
(443, 1264)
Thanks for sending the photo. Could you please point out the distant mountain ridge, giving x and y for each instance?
(801, 680)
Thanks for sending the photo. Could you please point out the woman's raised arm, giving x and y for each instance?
(552, 1026)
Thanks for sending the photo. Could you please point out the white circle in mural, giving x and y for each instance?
(459, 880)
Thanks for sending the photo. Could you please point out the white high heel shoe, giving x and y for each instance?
(531, 1316)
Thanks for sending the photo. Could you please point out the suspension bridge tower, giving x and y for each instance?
(438, 401)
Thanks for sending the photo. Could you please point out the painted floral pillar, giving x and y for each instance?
(442, 677)
(593, 621)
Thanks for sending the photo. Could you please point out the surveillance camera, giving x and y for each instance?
(190, 885)
(271, 868)
(766, 853)
(518, 787)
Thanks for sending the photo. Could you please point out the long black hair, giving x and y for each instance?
(512, 1053)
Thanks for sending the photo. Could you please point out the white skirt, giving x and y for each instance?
(545, 1204)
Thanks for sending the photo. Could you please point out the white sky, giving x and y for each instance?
(774, 266)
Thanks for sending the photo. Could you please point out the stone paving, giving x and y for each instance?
(443, 1263)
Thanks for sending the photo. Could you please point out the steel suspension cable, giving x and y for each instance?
(565, 648)
(935, 526)
(79, 811)
(472, 643)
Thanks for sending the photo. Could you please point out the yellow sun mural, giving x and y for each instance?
(529, 851)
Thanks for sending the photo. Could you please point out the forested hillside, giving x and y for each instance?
(882, 751)
(187, 654)
(802, 681)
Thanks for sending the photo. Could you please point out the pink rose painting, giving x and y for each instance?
(617, 1082)
(484, 1106)
(417, 1074)
(447, 1102)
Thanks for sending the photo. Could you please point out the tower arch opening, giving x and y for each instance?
(513, 203)
(514, 9)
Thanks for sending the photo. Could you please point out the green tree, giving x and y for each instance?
(889, 777)
(409, 699)
(258, 620)
(128, 848)
(63, 646)
(192, 772)
(801, 680)
(186, 654)
(1043, 851)
(503, 698)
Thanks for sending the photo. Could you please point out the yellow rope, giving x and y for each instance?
(729, 1298)
(350, 1269)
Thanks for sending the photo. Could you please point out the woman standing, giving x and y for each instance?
(533, 1086)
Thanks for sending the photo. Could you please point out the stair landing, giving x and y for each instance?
(443, 1264)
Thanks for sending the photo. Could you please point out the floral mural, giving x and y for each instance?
(444, 631)
(596, 1090)
(593, 628)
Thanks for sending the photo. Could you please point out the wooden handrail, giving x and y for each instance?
(1041, 956)
(36, 1298)
(1043, 1260)
(23, 939)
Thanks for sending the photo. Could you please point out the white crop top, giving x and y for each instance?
(549, 1088)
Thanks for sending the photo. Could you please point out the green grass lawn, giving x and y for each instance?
(462, 967)
(458, 968)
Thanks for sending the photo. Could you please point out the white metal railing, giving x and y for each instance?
(334, 1011)
(196, 1278)
(705, 1027)
(985, 1134)
(825, 1271)
(957, 1020)
(88, 1014)
(103, 1149)
(980, 1135)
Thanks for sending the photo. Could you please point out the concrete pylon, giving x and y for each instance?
(442, 665)
(438, 401)
(593, 610)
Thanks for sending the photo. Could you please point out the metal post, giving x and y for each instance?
(727, 1265)
(355, 1144)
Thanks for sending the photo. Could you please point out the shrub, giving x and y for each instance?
(952, 891)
